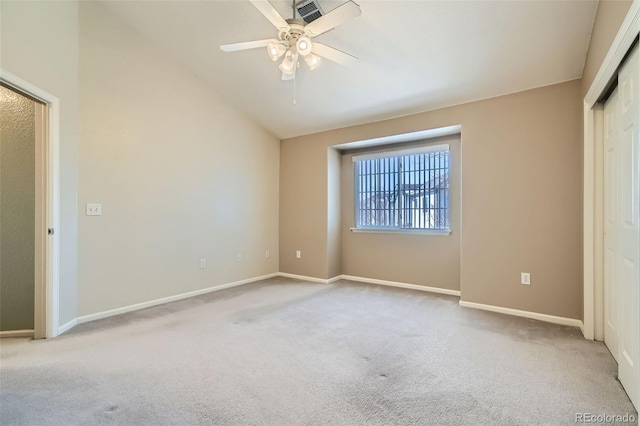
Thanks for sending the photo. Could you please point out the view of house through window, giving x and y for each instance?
(406, 189)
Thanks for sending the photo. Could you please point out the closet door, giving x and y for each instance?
(628, 235)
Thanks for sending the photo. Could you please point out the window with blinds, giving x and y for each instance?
(406, 189)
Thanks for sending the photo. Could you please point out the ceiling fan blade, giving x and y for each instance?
(334, 55)
(270, 13)
(245, 45)
(337, 16)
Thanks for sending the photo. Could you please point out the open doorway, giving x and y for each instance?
(47, 207)
(23, 191)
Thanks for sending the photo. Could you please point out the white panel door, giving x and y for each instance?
(628, 263)
(611, 197)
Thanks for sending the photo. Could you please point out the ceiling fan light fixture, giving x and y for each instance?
(295, 35)
(312, 61)
(275, 50)
(287, 64)
(303, 45)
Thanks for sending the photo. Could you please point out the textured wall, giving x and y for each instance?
(17, 210)
(521, 166)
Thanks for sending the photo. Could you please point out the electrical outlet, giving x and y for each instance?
(238, 257)
(94, 209)
(298, 254)
(267, 253)
(203, 263)
(525, 278)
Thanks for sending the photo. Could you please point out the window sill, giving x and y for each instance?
(402, 231)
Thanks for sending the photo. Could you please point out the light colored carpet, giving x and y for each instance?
(287, 352)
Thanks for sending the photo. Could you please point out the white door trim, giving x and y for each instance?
(52, 202)
(592, 173)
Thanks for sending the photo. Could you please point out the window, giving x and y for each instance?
(403, 190)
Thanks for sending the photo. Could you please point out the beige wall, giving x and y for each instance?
(521, 196)
(17, 210)
(334, 218)
(180, 175)
(609, 17)
(303, 207)
(430, 260)
(39, 43)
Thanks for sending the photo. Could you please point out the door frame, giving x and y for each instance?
(593, 174)
(48, 217)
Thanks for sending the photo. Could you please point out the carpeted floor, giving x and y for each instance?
(287, 352)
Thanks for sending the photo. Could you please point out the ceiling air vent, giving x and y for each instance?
(309, 10)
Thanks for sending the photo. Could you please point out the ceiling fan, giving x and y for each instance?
(294, 38)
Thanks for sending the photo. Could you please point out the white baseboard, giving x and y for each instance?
(402, 285)
(67, 326)
(105, 314)
(371, 281)
(312, 279)
(16, 333)
(526, 314)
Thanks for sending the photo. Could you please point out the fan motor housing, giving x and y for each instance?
(295, 31)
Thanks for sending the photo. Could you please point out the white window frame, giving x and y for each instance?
(389, 154)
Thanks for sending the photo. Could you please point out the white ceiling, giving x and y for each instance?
(413, 55)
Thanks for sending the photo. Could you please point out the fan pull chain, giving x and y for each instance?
(296, 64)
(294, 92)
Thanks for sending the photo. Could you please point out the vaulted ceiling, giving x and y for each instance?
(413, 55)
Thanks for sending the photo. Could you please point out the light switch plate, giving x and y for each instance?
(94, 209)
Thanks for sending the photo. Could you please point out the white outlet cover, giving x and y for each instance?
(525, 278)
(94, 209)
